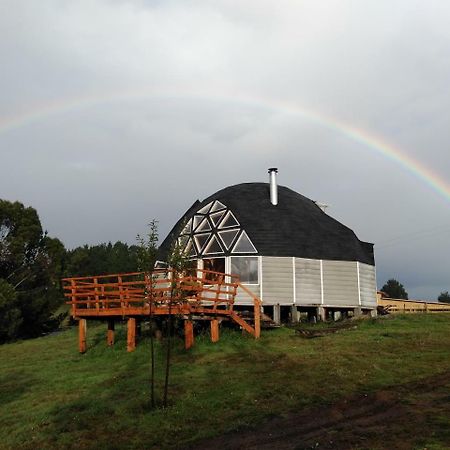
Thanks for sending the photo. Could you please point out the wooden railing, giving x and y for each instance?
(120, 293)
(202, 293)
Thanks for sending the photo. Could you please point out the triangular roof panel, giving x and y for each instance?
(228, 237)
(244, 244)
(229, 221)
(217, 206)
(213, 247)
(200, 240)
(205, 209)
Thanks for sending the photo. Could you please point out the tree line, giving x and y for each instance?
(32, 265)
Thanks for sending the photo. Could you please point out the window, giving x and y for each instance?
(246, 268)
(214, 265)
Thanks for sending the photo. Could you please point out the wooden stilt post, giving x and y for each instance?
(257, 319)
(82, 335)
(110, 334)
(131, 334)
(188, 334)
(214, 330)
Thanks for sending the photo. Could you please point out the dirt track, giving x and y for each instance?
(401, 417)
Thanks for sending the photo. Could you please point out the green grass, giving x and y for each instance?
(53, 397)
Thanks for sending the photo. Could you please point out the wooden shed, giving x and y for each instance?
(284, 248)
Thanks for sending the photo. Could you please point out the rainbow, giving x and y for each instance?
(361, 136)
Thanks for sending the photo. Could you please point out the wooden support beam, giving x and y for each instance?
(131, 334)
(110, 333)
(257, 318)
(214, 330)
(82, 328)
(188, 334)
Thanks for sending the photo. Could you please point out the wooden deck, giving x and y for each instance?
(203, 295)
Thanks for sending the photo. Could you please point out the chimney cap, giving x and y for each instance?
(273, 169)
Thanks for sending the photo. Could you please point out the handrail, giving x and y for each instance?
(204, 292)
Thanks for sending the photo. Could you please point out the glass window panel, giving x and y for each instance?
(216, 217)
(197, 220)
(213, 246)
(244, 244)
(190, 249)
(187, 228)
(214, 265)
(217, 205)
(228, 237)
(229, 221)
(200, 240)
(205, 209)
(204, 226)
(246, 267)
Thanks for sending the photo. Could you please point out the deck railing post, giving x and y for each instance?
(119, 279)
(74, 297)
(97, 306)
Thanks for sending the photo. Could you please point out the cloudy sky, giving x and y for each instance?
(116, 112)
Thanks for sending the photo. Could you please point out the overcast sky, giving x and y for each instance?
(116, 112)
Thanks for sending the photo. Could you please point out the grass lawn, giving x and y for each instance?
(53, 397)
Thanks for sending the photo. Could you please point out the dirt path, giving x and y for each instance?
(401, 417)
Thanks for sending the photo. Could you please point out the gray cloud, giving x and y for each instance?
(185, 98)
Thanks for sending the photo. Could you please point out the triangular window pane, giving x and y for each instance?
(244, 245)
(204, 226)
(190, 249)
(228, 237)
(229, 221)
(213, 247)
(200, 240)
(216, 217)
(187, 228)
(205, 209)
(217, 205)
(197, 221)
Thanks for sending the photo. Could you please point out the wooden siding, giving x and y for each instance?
(367, 284)
(277, 281)
(308, 289)
(340, 283)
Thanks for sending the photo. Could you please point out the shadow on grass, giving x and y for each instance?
(14, 385)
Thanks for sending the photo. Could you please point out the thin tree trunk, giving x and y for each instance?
(152, 346)
(168, 352)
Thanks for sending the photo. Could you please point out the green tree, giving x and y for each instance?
(10, 315)
(394, 289)
(444, 297)
(102, 259)
(30, 262)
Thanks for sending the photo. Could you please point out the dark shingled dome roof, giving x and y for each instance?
(295, 227)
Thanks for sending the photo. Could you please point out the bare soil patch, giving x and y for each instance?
(400, 417)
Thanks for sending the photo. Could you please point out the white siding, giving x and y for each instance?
(242, 298)
(277, 281)
(340, 283)
(307, 282)
(367, 285)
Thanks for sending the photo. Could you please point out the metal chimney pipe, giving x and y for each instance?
(273, 186)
